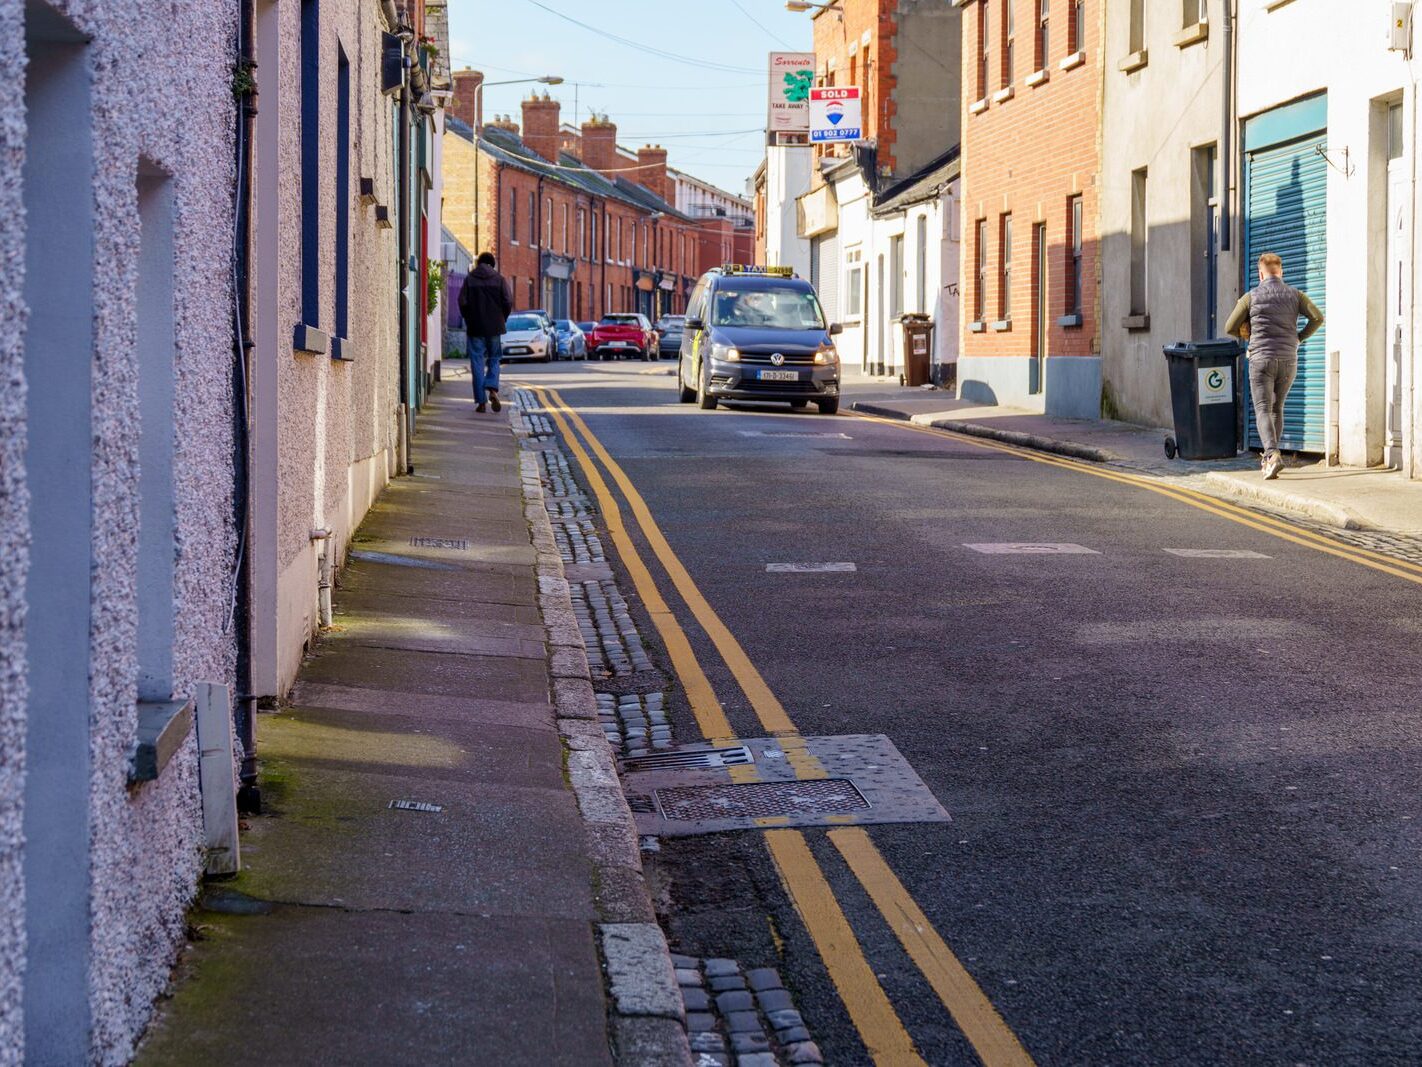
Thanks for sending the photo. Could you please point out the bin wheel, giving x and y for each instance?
(1170, 448)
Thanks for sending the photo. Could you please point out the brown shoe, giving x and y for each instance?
(478, 407)
(494, 400)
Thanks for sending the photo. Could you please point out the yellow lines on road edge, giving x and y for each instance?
(865, 1000)
(709, 716)
(768, 709)
(1409, 572)
(991, 1038)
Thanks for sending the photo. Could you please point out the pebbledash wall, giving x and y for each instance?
(326, 423)
(116, 224)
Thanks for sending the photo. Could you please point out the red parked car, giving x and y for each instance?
(622, 335)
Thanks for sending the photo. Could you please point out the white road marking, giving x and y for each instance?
(1217, 553)
(1033, 548)
(810, 568)
(794, 433)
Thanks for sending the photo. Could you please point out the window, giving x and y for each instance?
(547, 241)
(1204, 223)
(1394, 131)
(343, 200)
(1004, 256)
(1137, 28)
(592, 234)
(1073, 264)
(310, 163)
(854, 283)
(513, 217)
(921, 239)
(1076, 27)
(532, 293)
(1139, 242)
(1009, 42)
(896, 275)
(564, 244)
(532, 218)
(980, 295)
(1044, 36)
(984, 48)
(1194, 11)
(582, 237)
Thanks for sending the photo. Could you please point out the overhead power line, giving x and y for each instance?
(767, 30)
(693, 61)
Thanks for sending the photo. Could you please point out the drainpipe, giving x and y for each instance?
(324, 575)
(1227, 129)
(403, 222)
(249, 796)
(538, 247)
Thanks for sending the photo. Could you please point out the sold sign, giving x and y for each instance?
(836, 114)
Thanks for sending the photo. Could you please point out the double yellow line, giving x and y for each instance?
(864, 998)
(1284, 531)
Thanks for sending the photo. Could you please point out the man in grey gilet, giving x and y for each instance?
(1268, 318)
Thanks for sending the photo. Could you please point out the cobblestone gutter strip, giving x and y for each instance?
(647, 1018)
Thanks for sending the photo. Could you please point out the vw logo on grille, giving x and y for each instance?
(777, 358)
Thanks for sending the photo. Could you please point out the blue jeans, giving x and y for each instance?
(484, 355)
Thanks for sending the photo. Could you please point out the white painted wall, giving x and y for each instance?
(787, 176)
(1283, 56)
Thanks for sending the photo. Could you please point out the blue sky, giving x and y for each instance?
(710, 120)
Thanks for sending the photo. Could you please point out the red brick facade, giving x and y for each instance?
(1031, 165)
(859, 49)
(576, 252)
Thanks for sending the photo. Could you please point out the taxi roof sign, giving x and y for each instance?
(756, 268)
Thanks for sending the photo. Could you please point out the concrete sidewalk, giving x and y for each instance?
(475, 930)
(1348, 498)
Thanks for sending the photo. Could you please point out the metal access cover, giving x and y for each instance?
(416, 805)
(693, 757)
(450, 543)
(856, 779)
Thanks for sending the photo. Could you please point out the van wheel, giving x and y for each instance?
(828, 407)
(704, 400)
(684, 394)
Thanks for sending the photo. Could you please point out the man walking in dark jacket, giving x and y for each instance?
(1268, 318)
(485, 301)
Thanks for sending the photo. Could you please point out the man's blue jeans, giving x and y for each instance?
(484, 355)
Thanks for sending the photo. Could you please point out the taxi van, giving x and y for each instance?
(757, 333)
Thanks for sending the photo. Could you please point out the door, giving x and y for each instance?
(1399, 302)
(882, 333)
(1286, 205)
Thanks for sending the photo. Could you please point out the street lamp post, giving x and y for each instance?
(547, 79)
(811, 5)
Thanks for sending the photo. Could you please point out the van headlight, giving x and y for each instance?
(727, 352)
(826, 354)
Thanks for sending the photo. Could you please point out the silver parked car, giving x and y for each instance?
(527, 337)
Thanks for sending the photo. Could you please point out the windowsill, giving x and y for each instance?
(1005, 93)
(1135, 61)
(1068, 321)
(310, 341)
(342, 350)
(1192, 34)
(163, 726)
(1036, 78)
(1002, 326)
(977, 107)
(977, 327)
(1136, 322)
(1076, 59)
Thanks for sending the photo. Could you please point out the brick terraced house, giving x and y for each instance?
(1030, 193)
(578, 228)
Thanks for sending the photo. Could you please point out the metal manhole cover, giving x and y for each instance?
(855, 779)
(416, 805)
(705, 757)
(449, 543)
(761, 800)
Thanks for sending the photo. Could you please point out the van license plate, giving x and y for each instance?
(779, 376)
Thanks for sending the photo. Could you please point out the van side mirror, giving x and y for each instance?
(695, 324)
(835, 328)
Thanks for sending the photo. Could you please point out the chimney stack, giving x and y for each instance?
(600, 145)
(466, 97)
(540, 126)
(652, 171)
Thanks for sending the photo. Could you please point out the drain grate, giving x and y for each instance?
(642, 803)
(450, 543)
(416, 805)
(761, 800)
(712, 757)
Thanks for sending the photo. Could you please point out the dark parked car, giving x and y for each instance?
(571, 342)
(669, 329)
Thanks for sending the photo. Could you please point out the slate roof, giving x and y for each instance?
(924, 185)
(508, 148)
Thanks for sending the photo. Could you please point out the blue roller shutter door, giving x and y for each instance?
(1287, 213)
